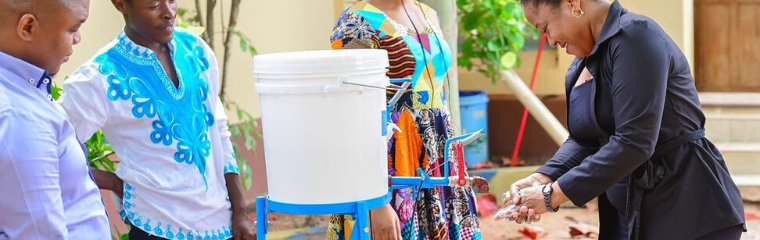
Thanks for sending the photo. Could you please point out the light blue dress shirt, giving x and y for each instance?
(47, 190)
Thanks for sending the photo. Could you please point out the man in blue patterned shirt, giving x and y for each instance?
(153, 92)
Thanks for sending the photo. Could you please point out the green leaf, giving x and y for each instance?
(249, 142)
(243, 45)
(508, 60)
(235, 131)
(109, 164)
(252, 51)
(181, 12)
(239, 113)
(245, 171)
(471, 21)
(493, 46)
(56, 91)
(512, 8)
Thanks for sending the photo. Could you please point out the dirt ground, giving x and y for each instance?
(555, 225)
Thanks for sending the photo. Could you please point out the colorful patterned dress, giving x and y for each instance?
(423, 116)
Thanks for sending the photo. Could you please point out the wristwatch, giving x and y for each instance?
(547, 190)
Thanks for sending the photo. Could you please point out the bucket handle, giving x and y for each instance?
(391, 87)
(399, 89)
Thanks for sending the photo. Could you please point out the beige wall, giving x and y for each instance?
(675, 16)
(273, 26)
(295, 25)
(277, 26)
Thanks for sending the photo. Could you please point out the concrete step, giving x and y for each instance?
(746, 180)
(729, 99)
(733, 128)
(732, 117)
(743, 161)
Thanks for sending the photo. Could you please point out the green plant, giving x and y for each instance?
(492, 32)
(248, 130)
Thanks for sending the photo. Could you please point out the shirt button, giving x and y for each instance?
(31, 80)
(50, 97)
(46, 80)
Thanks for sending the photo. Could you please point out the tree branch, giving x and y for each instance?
(234, 10)
(210, 5)
(221, 16)
(199, 16)
(198, 12)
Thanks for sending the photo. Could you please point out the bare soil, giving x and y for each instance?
(556, 225)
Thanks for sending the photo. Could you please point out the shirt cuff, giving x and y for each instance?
(231, 166)
(550, 172)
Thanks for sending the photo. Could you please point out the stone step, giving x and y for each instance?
(731, 99)
(732, 124)
(746, 180)
(732, 117)
(744, 128)
(743, 160)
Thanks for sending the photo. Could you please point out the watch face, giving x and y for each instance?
(547, 188)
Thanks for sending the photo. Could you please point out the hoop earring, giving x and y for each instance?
(579, 15)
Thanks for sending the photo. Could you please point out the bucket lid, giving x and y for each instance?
(325, 61)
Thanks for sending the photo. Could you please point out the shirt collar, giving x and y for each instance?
(138, 51)
(611, 24)
(27, 72)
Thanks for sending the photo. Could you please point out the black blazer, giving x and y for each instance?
(645, 95)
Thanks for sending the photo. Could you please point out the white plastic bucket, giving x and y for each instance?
(323, 139)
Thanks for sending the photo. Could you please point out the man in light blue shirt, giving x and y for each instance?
(47, 190)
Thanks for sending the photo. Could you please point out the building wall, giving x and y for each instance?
(272, 26)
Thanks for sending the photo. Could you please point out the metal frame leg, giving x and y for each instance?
(361, 227)
(261, 218)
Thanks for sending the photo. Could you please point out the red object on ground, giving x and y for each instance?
(534, 232)
(750, 217)
(583, 230)
(520, 133)
(487, 205)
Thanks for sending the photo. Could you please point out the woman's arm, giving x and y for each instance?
(569, 155)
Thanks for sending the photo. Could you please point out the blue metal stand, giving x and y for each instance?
(359, 210)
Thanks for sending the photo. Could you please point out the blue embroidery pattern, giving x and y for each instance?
(144, 223)
(135, 74)
(231, 166)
